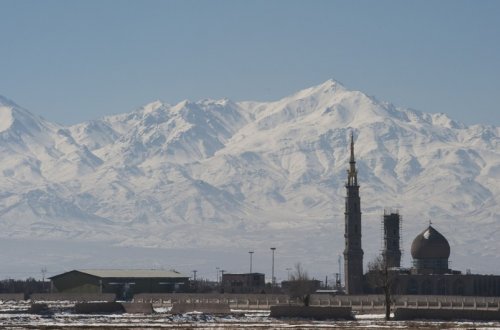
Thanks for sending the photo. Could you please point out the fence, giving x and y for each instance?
(377, 302)
(358, 303)
(73, 297)
(235, 301)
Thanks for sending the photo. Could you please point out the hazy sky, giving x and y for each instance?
(71, 61)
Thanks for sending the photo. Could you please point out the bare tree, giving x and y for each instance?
(300, 285)
(380, 277)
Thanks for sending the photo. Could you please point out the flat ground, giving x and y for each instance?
(15, 316)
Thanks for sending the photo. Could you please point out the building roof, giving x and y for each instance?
(129, 273)
(430, 244)
(242, 274)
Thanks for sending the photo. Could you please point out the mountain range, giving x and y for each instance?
(237, 176)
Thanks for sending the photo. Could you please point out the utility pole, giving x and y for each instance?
(251, 253)
(222, 271)
(273, 280)
(221, 285)
(339, 280)
(288, 273)
(195, 285)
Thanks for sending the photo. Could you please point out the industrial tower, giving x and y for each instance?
(391, 250)
(353, 254)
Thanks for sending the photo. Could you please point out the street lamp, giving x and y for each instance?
(288, 273)
(251, 253)
(273, 280)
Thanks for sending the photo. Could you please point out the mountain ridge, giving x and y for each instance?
(251, 172)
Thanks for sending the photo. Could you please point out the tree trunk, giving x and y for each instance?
(387, 303)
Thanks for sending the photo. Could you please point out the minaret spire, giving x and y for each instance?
(352, 173)
(352, 147)
(353, 253)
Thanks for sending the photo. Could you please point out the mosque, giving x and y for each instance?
(430, 273)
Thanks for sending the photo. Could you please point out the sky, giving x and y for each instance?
(71, 61)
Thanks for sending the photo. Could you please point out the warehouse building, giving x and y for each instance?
(124, 283)
(243, 283)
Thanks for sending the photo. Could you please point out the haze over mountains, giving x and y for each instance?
(224, 175)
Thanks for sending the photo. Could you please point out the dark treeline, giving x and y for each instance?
(27, 286)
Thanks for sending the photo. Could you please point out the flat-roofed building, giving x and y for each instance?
(243, 283)
(123, 282)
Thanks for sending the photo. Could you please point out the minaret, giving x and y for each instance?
(353, 254)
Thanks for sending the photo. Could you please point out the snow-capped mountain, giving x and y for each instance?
(238, 175)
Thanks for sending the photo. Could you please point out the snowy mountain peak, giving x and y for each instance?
(330, 100)
(221, 102)
(154, 106)
(20, 121)
(248, 172)
(325, 90)
(444, 120)
(181, 105)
